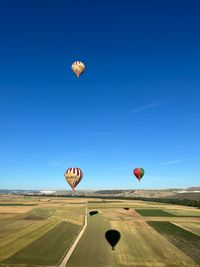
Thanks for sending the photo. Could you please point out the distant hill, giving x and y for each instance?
(150, 193)
(192, 193)
(194, 189)
(111, 192)
(190, 196)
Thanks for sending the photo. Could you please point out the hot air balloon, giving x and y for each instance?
(138, 172)
(73, 176)
(78, 68)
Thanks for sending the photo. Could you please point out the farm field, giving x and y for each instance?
(38, 231)
(139, 245)
(180, 238)
(41, 233)
(49, 248)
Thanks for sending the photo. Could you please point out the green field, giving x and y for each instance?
(157, 213)
(93, 249)
(186, 241)
(42, 212)
(49, 248)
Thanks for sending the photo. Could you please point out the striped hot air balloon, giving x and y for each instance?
(138, 172)
(78, 68)
(73, 176)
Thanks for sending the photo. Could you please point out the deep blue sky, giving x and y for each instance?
(137, 104)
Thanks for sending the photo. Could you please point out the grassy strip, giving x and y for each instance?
(17, 204)
(72, 215)
(49, 248)
(186, 241)
(33, 217)
(43, 212)
(103, 201)
(156, 213)
(93, 250)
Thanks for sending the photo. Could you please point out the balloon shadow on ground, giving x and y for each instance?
(126, 208)
(93, 212)
(112, 236)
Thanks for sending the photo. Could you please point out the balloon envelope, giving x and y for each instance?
(138, 172)
(73, 176)
(78, 68)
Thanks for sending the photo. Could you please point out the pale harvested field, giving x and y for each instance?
(120, 214)
(141, 245)
(72, 215)
(149, 248)
(7, 216)
(11, 197)
(189, 211)
(62, 205)
(15, 209)
(51, 205)
(193, 227)
(112, 205)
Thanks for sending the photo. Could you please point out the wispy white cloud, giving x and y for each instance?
(145, 107)
(141, 108)
(176, 161)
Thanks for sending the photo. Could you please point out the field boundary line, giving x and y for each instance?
(72, 248)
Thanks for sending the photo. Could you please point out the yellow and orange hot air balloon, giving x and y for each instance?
(73, 176)
(78, 68)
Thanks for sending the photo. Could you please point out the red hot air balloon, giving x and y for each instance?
(138, 172)
(73, 176)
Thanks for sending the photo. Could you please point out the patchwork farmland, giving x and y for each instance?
(39, 231)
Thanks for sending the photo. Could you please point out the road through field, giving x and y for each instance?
(74, 234)
(69, 253)
(139, 244)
